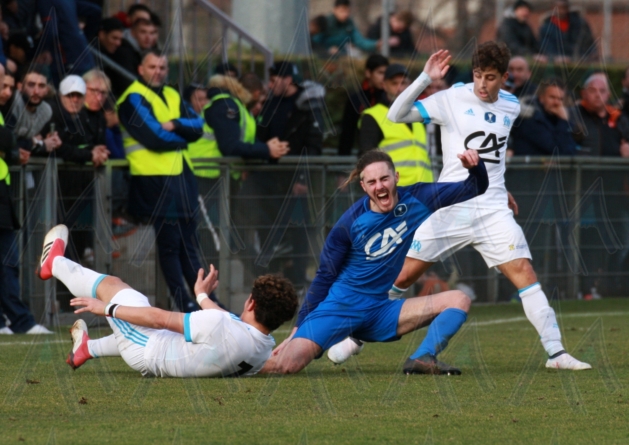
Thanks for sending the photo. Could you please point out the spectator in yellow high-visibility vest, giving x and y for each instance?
(405, 143)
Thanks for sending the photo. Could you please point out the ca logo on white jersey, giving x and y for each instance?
(390, 239)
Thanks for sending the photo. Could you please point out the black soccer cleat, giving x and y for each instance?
(428, 364)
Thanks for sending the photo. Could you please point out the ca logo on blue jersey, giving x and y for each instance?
(390, 239)
(490, 117)
(400, 210)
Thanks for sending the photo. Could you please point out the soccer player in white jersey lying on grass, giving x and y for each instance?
(474, 117)
(206, 343)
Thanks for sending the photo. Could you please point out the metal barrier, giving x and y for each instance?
(574, 212)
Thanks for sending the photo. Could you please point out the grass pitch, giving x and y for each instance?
(505, 395)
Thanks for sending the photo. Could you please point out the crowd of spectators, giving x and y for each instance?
(80, 102)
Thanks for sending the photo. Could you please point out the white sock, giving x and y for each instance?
(81, 282)
(542, 317)
(103, 347)
(395, 293)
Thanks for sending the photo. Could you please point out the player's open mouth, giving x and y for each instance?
(383, 197)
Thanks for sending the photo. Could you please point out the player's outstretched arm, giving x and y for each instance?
(441, 194)
(205, 286)
(403, 108)
(150, 317)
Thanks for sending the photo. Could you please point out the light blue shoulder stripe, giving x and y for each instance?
(186, 328)
(422, 110)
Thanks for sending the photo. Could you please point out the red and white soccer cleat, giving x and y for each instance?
(55, 244)
(80, 353)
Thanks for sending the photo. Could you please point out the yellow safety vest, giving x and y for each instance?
(207, 147)
(142, 161)
(407, 148)
(4, 168)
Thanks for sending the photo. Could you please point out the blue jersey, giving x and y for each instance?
(365, 250)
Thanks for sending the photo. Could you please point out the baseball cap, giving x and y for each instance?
(72, 84)
(395, 69)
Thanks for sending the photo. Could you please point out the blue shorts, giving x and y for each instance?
(373, 320)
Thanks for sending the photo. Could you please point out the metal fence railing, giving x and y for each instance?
(275, 217)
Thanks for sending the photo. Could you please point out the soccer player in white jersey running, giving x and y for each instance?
(475, 116)
(206, 343)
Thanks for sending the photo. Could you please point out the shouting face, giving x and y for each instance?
(379, 181)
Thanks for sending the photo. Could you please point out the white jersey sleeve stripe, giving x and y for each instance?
(422, 110)
(186, 328)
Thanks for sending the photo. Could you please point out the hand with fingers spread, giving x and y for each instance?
(437, 65)
(469, 158)
(93, 305)
(208, 284)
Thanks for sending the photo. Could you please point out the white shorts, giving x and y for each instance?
(493, 233)
(131, 338)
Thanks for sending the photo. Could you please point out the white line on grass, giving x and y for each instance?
(560, 316)
(286, 331)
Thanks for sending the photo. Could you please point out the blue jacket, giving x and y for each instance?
(540, 134)
(224, 118)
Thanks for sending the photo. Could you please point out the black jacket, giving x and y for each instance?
(127, 58)
(10, 154)
(297, 119)
(518, 36)
(576, 42)
(79, 133)
(356, 103)
(595, 136)
(541, 134)
(406, 46)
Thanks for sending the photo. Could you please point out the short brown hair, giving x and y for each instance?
(368, 158)
(550, 82)
(276, 300)
(490, 55)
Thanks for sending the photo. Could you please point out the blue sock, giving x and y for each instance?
(440, 331)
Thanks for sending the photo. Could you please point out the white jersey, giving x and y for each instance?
(469, 123)
(215, 344)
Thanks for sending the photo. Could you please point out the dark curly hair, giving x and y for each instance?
(276, 300)
(490, 55)
(368, 158)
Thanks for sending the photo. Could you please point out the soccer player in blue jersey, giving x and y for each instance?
(361, 259)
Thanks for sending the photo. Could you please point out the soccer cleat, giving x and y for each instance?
(566, 361)
(6, 331)
(428, 364)
(55, 244)
(80, 353)
(38, 329)
(342, 351)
